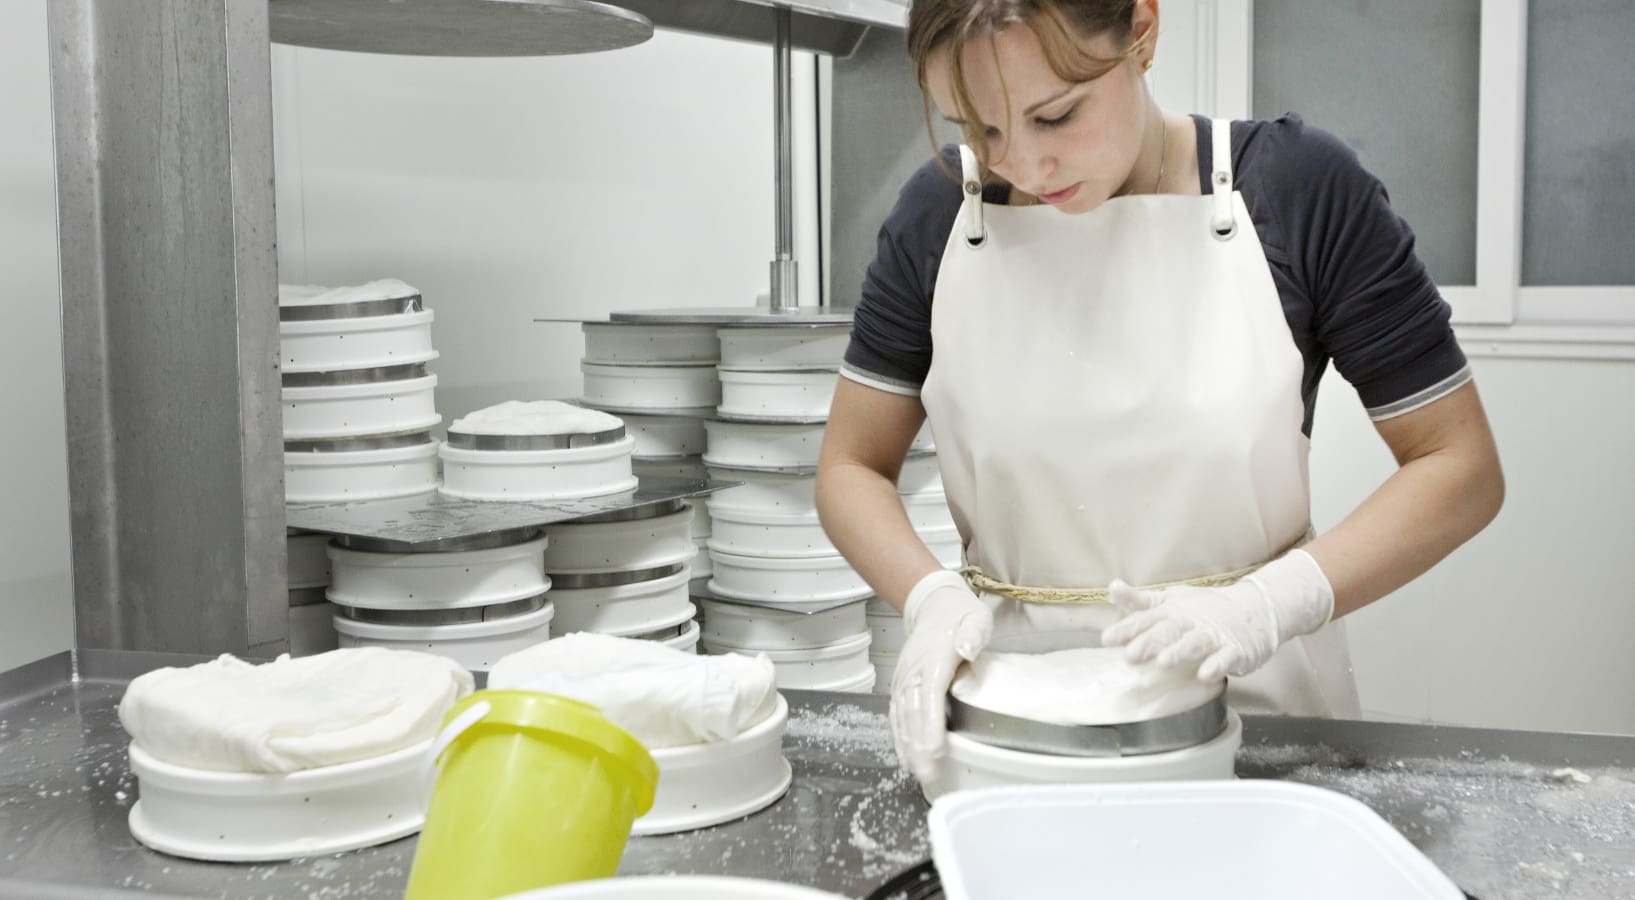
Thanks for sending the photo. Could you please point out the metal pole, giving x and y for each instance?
(784, 288)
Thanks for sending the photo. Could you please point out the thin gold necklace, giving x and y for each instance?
(1163, 150)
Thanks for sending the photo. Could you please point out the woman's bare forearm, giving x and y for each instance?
(864, 517)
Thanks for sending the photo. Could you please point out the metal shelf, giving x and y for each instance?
(433, 521)
(557, 27)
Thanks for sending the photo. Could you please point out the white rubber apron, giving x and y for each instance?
(1117, 395)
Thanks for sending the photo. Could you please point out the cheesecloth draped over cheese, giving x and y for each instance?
(663, 696)
(291, 714)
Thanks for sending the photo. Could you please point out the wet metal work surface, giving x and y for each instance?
(1507, 815)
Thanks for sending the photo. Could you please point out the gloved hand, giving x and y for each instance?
(946, 623)
(1223, 631)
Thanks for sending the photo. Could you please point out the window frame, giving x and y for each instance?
(1498, 315)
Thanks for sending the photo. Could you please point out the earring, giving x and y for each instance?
(1146, 64)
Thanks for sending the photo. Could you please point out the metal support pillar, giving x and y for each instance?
(163, 121)
(785, 290)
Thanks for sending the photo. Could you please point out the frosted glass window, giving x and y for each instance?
(1396, 80)
(1578, 194)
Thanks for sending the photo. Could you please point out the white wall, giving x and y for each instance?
(514, 189)
(36, 599)
(1530, 624)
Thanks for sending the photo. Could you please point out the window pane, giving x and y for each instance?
(1578, 190)
(1397, 80)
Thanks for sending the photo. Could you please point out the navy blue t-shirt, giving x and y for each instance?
(1343, 262)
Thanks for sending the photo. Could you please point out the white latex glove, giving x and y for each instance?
(946, 624)
(1231, 630)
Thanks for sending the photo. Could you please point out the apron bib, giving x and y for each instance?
(1117, 395)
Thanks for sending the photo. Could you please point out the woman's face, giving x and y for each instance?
(1072, 145)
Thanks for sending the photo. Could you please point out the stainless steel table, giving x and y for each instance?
(1487, 806)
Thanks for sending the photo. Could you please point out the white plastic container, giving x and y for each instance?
(453, 580)
(703, 566)
(633, 388)
(771, 579)
(761, 534)
(664, 437)
(707, 784)
(364, 342)
(637, 607)
(308, 563)
(919, 474)
(686, 641)
(677, 887)
(758, 628)
(620, 546)
(259, 817)
(781, 394)
(778, 347)
(360, 410)
(762, 445)
(336, 476)
(476, 646)
(1225, 840)
(765, 492)
(703, 522)
(971, 764)
(563, 474)
(886, 630)
(885, 665)
(928, 511)
(840, 666)
(633, 344)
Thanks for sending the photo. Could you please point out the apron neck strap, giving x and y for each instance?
(976, 234)
(1222, 222)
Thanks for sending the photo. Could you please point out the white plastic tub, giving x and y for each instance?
(677, 887)
(308, 563)
(757, 394)
(476, 646)
(632, 344)
(679, 467)
(772, 579)
(945, 545)
(919, 474)
(1225, 840)
(360, 410)
(762, 445)
(778, 347)
(702, 565)
(563, 474)
(765, 492)
(886, 630)
(258, 817)
(971, 764)
(364, 342)
(637, 607)
(664, 437)
(650, 388)
(707, 784)
(686, 641)
(842, 665)
(760, 534)
(336, 476)
(620, 546)
(885, 665)
(758, 628)
(454, 580)
(928, 511)
(703, 522)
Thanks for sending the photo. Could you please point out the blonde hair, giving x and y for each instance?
(1063, 28)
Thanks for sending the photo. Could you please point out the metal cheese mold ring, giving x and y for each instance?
(668, 632)
(493, 540)
(613, 579)
(363, 309)
(1173, 732)
(358, 444)
(521, 442)
(420, 618)
(377, 375)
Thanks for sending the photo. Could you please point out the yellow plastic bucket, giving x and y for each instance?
(532, 790)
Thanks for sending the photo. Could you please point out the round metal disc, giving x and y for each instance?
(457, 27)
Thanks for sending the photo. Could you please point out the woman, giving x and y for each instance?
(1132, 310)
